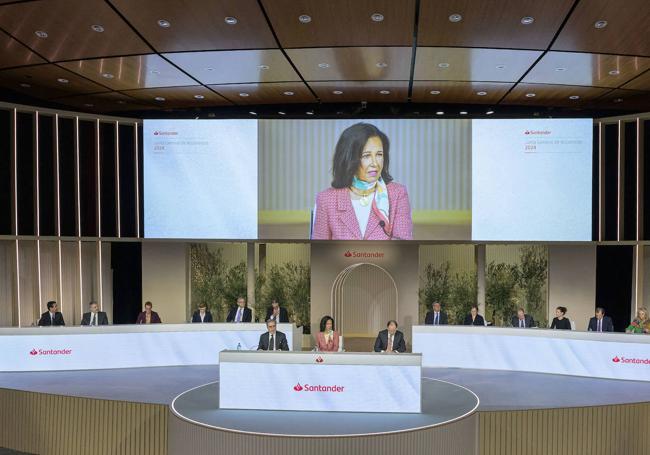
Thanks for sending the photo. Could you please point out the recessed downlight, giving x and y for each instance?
(490, 112)
(164, 23)
(560, 68)
(381, 65)
(209, 68)
(463, 112)
(481, 93)
(443, 65)
(263, 67)
(500, 67)
(288, 93)
(574, 97)
(527, 20)
(309, 112)
(97, 28)
(107, 76)
(121, 102)
(282, 113)
(435, 92)
(88, 104)
(455, 17)
(618, 100)
(323, 65)
(154, 72)
(253, 113)
(230, 20)
(614, 72)
(25, 85)
(337, 92)
(159, 98)
(600, 24)
(384, 92)
(199, 97)
(530, 95)
(377, 17)
(62, 80)
(244, 94)
(440, 113)
(41, 34)
(304, 19)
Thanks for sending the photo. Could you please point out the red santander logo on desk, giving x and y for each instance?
(318, 388)
(35, 352)
(319, 359)
(631, 360)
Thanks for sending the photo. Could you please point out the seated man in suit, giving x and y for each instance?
(522, 320)
(202, 314)
(52, 316)
(240, 313)
(277, 313)
(600, 322)
(473, 318)
(148, 316)
(390, 339)
(272, 340)
(437, 316)
(94, 316)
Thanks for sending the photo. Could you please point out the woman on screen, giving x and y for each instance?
(363, 203)
(327, 340)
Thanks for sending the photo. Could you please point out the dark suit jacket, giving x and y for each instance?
(442, 319)
(478, 321)
(102, 319)
(280, 342)
(46, 320)
(608, 325)
(142, 318)
(284, 316)
(530, 322)
(246, 317)
(196, 317)
(381, 343)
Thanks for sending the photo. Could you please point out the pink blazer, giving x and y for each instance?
(327, 347)
(335, 218)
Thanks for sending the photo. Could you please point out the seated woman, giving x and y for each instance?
(473, 318)
(327, 340)
(363, 203)
(640, 324)
(148, 316)
(559, 321)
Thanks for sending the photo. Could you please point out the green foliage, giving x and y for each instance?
(456, 292)
(532, 280)
(435, 287)
(290, 285)
(501, 280)
(207, 271)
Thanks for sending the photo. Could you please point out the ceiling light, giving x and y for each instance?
(89, 104)
(560, 68)
(530, 95)
(252, 113)
(463, 112)
(614, 72)
(600, 24)
(309, 112)
(281, 113)
(443, 65)
(500, 67)
(384, 92)
(440, 113)
(382, 65)
(527, 20)
(159, 98)
(337, 92)
(244, 94)
(304, 18)
(199, 97)
(377, 17)
(489, 112)
(574, 97)
(481, 93)
(288, 93)
(323, 65)
(62, 80)
(455, 17)
(435, 92)
(121, 102)
(263, 67)
(154, 72)
(40, 33)
(97, 28)
(163, 23)
(25, 85)
(230, 20)
(107, 75)
(618, 100)
(209, 69)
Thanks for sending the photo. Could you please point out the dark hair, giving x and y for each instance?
(347, 155)
(600, 309)
(268, 321)
(392, 321)
(148, 303)
(436, 301)
(50, 304)
(323, 322)
(202, 305)
(92, 302)
(473, 307)
(521, 309)
(562, 309)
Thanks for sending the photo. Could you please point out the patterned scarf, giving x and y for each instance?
(380, 203)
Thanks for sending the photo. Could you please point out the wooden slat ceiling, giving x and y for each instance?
(120, 55)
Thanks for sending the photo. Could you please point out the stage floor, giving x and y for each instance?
(497, 390)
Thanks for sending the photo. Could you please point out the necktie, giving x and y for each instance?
(600, 326)
(435, 319)
(272, 344)
(521, 323)
(238, 318)
(51, 319)
(92, 318)
(390, 343)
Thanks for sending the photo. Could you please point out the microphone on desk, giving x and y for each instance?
(390, 235)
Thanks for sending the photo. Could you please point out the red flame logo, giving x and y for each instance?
(319, 359)
(616, 359)
(155, 133)
(347, 254)
(297, 387)
(33, 352)
(527, 132)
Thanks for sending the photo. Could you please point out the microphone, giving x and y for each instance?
(390, 235)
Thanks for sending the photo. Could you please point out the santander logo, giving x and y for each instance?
(297, 387)
(537, 132)
(318, 388)
(348, 254)
(616, 359)
(35, 352)
(363, 254)
(631, 360)
(319, 359)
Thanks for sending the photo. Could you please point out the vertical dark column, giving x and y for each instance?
(610, 169)
(46, 175)
(630, 182)
(6, 190)
(614, 267)
(126, 262)
(107, 168)
(67, 189)
(25, 173)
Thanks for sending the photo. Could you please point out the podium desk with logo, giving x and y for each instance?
(315, 381)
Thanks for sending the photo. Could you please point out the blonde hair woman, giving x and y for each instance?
(640, 324)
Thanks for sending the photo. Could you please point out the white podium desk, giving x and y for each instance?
(316, 381)
(568, 352)
(128, 346)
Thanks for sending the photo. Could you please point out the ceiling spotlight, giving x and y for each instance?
(443, 65)
(377, 17)
(574, 97)
(159, 98)
(263, 67)
(440, 113)
(463, 112)
(40, 33)
(62, 80)
(500, 67)
(209, 68)
(89, 104)
(337, 92)
(163, 23)
(199, 97)
(304, 19)
(97, 28)
(230, 20)
(600, 24)
(618, 100)
(481, 93)
(560, 68)
(527, 20)
(107, 75)
(614, 72)
(25, 85)
(309, 112)
(288, 93)
(252, 113)
(382, 65)
(244, 94)
(281, 113)
(455, 17)
(530, 95)
(489, 112)
(435, 92)
(323, 65)
(121, 102)
(154, 72)
(384, 92)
